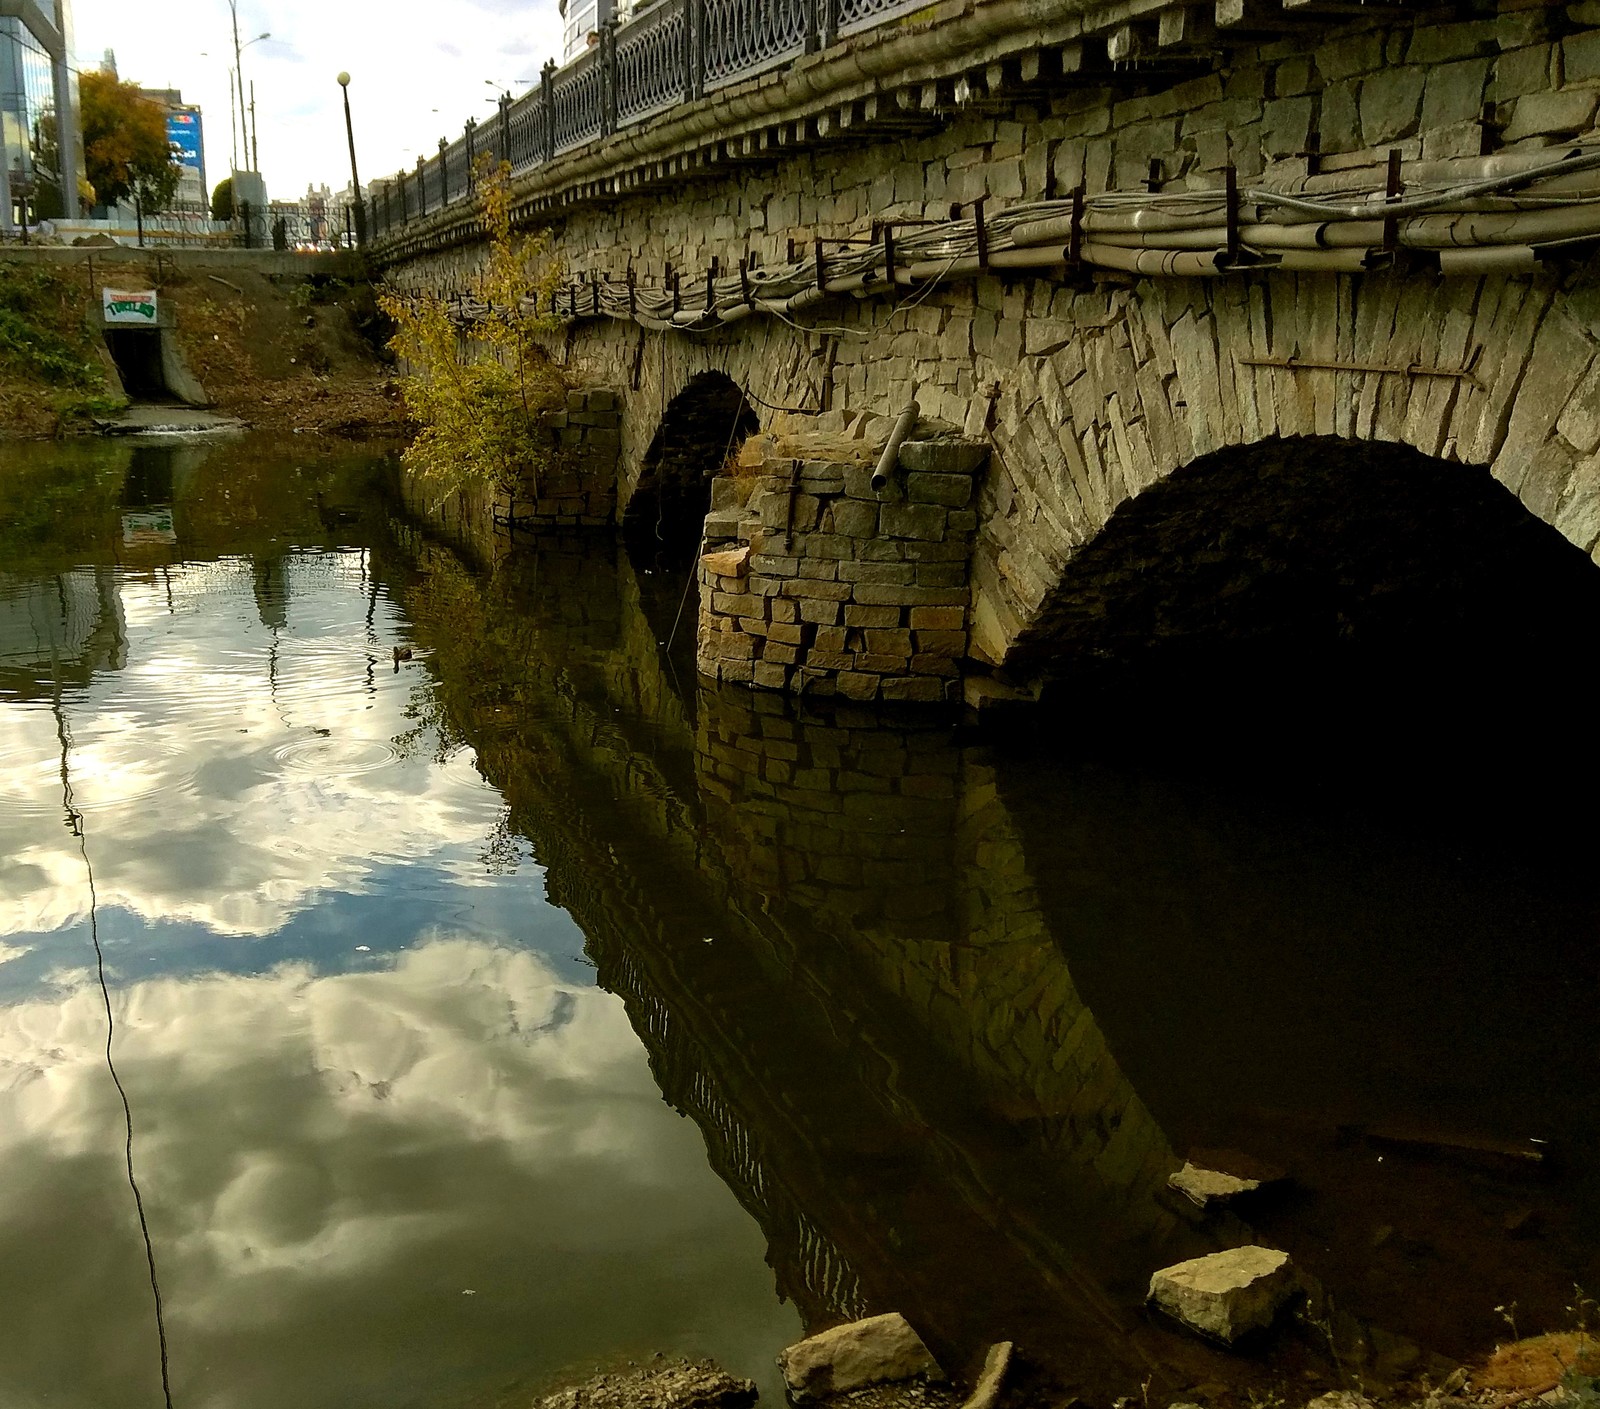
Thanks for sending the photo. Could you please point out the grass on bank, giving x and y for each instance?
(50, 374)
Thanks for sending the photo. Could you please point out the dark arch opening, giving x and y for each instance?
(704, 424)
(137, 353)
(1369, 562)
(1311, 787)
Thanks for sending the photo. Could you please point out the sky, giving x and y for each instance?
(419, 69)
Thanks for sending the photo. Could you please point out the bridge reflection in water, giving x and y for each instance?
(829, 933)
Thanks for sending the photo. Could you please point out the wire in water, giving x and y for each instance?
(74, 819)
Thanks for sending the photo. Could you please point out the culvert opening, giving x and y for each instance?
(137, 353)
(703, 426)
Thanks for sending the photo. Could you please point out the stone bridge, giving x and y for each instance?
(1215, 294)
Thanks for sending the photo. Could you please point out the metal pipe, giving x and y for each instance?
(891, 452)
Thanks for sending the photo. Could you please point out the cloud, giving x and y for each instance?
(219, 772)
(329, 1161)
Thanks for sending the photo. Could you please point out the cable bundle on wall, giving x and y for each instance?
(1496, 215)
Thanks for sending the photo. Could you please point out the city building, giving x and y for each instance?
(581, 21)
(186, 132)
(41, 152)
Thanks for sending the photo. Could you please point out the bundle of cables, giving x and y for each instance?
(1506, 214)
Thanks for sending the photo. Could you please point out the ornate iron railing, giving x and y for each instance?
(671, 52)
(743, 37)
(652, 64)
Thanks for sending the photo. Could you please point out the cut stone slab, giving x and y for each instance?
(947, 455)
(730, 562)
(1204, 1187)
(873, 1351)
(1225, 1295)
(986, 1393)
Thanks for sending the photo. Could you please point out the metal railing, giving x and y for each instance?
(671, 52)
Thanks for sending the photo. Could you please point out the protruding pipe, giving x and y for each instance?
(891, 451)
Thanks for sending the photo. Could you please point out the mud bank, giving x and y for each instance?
(272, 347)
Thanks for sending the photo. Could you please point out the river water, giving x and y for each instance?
(494, 1003)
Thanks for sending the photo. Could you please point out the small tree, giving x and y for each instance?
(125, 147)
(478, 406)
(222, 200)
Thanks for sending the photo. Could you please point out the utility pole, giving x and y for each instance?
(255, 145)
(238, 68)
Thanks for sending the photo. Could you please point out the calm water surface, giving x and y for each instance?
(513, 1005)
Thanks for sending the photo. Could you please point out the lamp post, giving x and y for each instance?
(355, 180)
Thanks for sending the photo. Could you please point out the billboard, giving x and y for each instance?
(184, 132)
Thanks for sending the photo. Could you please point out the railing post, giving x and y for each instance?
(547, 108)
(471, 129)
(505, 128)
(405, 215)
(608, 78)
(830, 22)
(422, 187)
(813, 25)
(444, 173)
(697, 48)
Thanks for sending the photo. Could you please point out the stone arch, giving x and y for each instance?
(1494, 372)
(1309, 550)
(703, 425)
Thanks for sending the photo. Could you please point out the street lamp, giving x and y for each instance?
(355, 180)
(238, 69)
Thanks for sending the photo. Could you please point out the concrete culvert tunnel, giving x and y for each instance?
(704, 424)
(137, 354)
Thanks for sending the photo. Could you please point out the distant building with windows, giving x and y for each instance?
(186, 132)
(581, 21)
(41, 156)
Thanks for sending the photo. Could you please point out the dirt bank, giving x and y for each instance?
(281, 352)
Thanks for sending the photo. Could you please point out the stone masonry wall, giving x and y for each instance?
(1091, 391)
(819, 583)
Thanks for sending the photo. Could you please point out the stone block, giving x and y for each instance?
(602, 400)
(944, 456)
(736, 645)
(730, 562)
(952, 644)
(872, 594)
(831, 660)
(952, 491)
(931, 618)
(821, 591)
(852, 517)
(915, 689)
(889, 642)
(919, 521)
(857, 685)
(1580, 57)
(934, 665)
(855, 615)
(768, 676)
(1391, 104)
(1561, 113)
(878, 572)
(1225, 1295)
(880, 665)
(778, 653)
(829, 638)
(738, 604)
(782, 609)
(816, 611)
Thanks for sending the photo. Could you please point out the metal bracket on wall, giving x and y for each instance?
(1411, 369)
